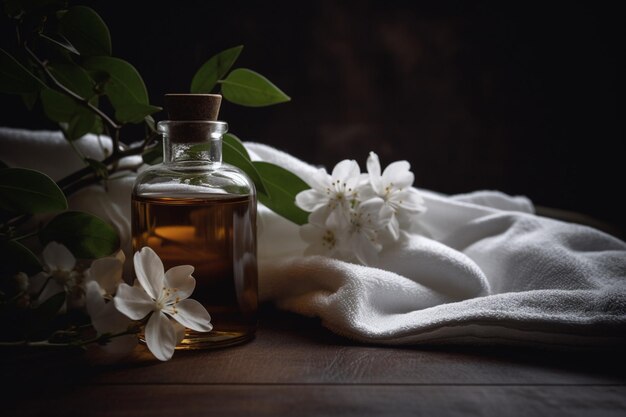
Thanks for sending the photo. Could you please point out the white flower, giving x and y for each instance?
(333, 195)
(366, 221)
(163, 294)
(58, 275)
(394, 186)
(322, 240)
(107, 272)
(105, 319)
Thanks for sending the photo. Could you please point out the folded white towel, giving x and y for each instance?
(477, 268)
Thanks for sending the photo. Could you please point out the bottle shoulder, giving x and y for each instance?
(193, 180)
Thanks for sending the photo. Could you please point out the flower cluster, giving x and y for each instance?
(117, 311)
(354, 214)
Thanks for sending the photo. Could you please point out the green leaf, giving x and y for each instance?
(26, 191)
(86, 31)
(214, 69)
(124, 87)
(231, 155)
(84, 234)
(81, 123)
(287, 180)
(283, 186)
(236, 143)
(57, 106)
(248, 88)
(15, 257)
(73, 77)
(62, 109)
(15, 78)
(98, 127)
(135, 112)
(59, 41)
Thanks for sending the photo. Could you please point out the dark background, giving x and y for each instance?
(521, 97)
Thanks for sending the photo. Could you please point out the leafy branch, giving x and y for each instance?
(62, 59)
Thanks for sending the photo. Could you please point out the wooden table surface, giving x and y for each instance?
(295, 367)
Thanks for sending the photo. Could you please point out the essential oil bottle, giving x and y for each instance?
(194, 209)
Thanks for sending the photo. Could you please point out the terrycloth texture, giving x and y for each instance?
(477, 268)
(480, 268)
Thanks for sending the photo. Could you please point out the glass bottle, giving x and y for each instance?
(194, 209)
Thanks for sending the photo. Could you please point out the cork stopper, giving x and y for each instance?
(186, 114)
(193, 106)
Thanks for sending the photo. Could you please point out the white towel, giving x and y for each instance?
(477, 268)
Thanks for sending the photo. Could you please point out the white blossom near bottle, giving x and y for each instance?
(195, 209)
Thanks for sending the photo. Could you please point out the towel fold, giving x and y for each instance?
(475, 268)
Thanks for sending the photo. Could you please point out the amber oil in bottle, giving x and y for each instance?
(195, 210)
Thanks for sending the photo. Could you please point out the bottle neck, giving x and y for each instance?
(190, 152)
(192, 142)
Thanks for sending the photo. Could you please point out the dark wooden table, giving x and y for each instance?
(297, 368)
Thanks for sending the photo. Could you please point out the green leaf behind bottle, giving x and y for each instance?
(249, 88)
(214, 69)
(232, 155)
(283, 186)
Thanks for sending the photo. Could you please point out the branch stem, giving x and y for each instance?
(83, 101)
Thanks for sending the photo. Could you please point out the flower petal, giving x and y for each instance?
(373, 168)
(180, 281)
(345, 170)
(105, 318)
(373, 165)
(398, 173)
(58, 258)
(318, 217)
(134, 302)
(409, 200)
(37, 282)
(180, 331)
(94, 303)
(320, 180)
(107, 272)
(193, 315)
(51, 288)
(149, 271)
(365, 248)
(160, 336)
(373, 207)
(311, 200)
(339, 218)
(394, 228)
